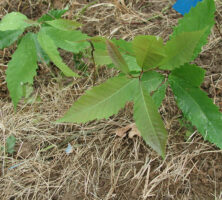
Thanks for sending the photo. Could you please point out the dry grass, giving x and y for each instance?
(103, 166)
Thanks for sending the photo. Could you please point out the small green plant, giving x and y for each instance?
(40, 44)
(10, 144)
(140, 82)
(140, 62)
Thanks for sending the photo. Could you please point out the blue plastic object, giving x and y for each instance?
(184, 6)
(69, 149)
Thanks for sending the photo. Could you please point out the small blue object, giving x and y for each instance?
(14, 166)
(184, 6)
(69, 149)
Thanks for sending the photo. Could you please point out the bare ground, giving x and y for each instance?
(102, 165)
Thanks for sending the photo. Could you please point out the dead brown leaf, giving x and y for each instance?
(134, 131)
(130, 130)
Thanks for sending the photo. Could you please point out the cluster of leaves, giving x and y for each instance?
(40, 44)
(138, 61)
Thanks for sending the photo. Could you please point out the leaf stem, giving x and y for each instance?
(141, 74)
(93, 60)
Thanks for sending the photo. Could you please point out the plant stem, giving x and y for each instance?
(93, 60)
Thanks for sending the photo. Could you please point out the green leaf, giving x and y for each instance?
(159, 94)
(149, 122)
(149, 51)
(9, 37)
(102, 57)
(98, 39)
(64, 24)
(116, 57)
(124, 46)
(13, 21)
(131, 62)
(180, 49)
(52, 14)
(102, 101)
(50, 48)
(42, 56)
(192, 74)
(68, 40)
(199, 109)
(199, 18)
(151, 80)
(21, 68)
(10, 144)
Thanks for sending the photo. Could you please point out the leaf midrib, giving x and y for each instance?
(144, 102)
(178, 53)
(106, 99)
(190, 97)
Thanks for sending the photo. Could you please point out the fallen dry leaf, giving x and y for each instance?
(134, 131)
(130, 129)
(121, 132)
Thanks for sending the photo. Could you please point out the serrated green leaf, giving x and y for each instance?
(192, 74)
(151, 80)
(10, 144)
(124, 46)
(52, 14)
(42, 56)
(9, 37)
(99, 39)
(68, 40)
(64, 24)
(50, 48)
(116, 57)
(180, 49)
(99, 43)
(13, 21)
(199, 18)
(149, 122)
(149, 51)
(102, 101)
(102, 57)
(199, 109)
(131, 62)
(159, 94)
(21, 68)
